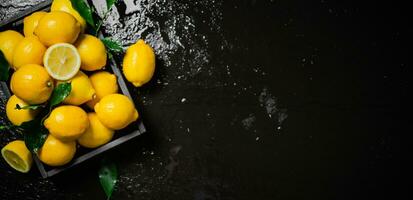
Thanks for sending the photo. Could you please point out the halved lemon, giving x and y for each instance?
(62, 61)
(17, 156)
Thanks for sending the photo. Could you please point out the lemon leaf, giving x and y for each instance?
(35, 134)
(84, 10)
(8, 126)
(110, 55)
(110, 3)
(112, 45)
(4, 68)
(60, 93)
(108, 174)
(31, 107)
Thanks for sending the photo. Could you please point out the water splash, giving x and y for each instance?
(269, 102)
(9, 9)
(248, 122)
(169, 27)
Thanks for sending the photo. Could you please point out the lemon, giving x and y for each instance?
(67, 123)
(17, 156)
(104, 83)
(116, 111)
(8, 42)
(82, 90)
(30, 22)
(29, 51)
(139, 63)
(92, 52)
(57, 27)
(32, 84)
(97, 134)
(17, 117)
(55, 152)
(66, 6)
(62, 61)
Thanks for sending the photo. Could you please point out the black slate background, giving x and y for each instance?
(340, 70)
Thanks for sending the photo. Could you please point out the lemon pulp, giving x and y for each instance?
(62, 61)
(17, 156)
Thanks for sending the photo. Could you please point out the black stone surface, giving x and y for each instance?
(257, 100)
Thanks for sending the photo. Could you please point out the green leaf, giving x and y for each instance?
(4, 67)
(84, 10)
(31, 107)
(7, 126)
(110, 55)
(112, 45)
(3, 127)
(108, 174)
(35, 134)
(60, 93)
(110, 3)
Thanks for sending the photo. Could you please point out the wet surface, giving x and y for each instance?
(253, 100)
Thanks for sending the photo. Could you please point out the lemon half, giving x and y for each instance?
(17, 156)
(62, 61)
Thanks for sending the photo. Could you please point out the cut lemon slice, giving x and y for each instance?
(17, 156)
(62, 61)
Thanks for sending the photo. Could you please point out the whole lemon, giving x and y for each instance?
(57, 27)
(139, 63)
(82, 90)
(30, 22)
(92, 52)
(116, 111)
(8, 42)
(17, 117)
(55, 152)
(29, 51)
(32, 84)
(67, 123)
(104, 83)
(97, 134)
(66, 6)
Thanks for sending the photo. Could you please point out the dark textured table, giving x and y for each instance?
(254, 100)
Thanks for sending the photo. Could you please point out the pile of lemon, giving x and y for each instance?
(54, 50)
